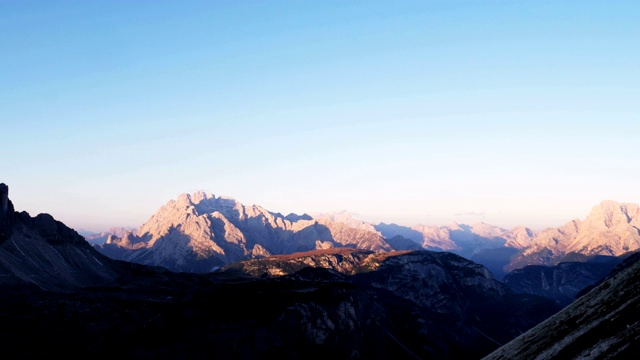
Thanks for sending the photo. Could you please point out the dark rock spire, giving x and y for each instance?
(4, 199)
(5, 213)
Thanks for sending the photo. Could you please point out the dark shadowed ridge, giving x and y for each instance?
(42, 252)
(439, 305)
(562, 282)
(604, 323)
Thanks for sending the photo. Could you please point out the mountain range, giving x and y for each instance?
(200, 232)
(61, 297)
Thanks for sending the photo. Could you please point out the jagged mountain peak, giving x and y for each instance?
(200, 203)
(516, 230)
(196, 197)
(344, 215)
(519, 237)
(487, 230)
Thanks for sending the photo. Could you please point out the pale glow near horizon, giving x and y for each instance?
(427, 112)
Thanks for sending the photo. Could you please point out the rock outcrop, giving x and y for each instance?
(6, 212)
(4, 200)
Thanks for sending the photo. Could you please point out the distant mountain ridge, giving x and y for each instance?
(200, 232)
(489, 245)
(101, 237)
(462, 239)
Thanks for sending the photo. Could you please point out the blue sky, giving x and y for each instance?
(507, 112)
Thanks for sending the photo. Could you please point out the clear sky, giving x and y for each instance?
(507, 112)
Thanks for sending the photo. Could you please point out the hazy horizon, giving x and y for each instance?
(430, 112)
(437, 220)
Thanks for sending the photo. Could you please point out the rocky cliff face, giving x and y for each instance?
(611, 229)
(200, 232)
